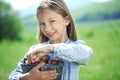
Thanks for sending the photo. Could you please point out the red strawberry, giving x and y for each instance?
(36, 62)
(44, 59)
(54, 62)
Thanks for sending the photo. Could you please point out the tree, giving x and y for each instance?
(10, 22)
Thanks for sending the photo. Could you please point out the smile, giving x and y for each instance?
(51, 34)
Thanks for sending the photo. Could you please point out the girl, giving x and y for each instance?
(58, 41)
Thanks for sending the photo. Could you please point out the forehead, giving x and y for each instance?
(48, 13)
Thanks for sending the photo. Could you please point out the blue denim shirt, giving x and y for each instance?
(74, 53)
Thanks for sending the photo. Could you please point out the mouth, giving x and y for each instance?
(51, 34)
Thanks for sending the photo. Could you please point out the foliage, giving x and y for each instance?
(98, 12)
(91, 13)
(10, 22)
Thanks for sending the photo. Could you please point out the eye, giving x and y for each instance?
(52, 21)
(42, 24)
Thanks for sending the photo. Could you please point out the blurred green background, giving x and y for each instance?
(98, 25)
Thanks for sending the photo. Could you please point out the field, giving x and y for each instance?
(102, 36)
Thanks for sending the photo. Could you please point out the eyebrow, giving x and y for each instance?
(48, 19)
(51, 18)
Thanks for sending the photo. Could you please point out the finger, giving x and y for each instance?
(28, 58)
(32, 57)
(39, 66)
(50, 74)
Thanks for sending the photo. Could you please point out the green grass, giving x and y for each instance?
(103, 37)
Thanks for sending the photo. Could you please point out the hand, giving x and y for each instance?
(35, 74)
(35, 54)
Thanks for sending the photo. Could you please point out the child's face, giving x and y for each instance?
(53, 25)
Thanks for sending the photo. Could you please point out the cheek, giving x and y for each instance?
(60, 26)
(42, 30)
(61, 30)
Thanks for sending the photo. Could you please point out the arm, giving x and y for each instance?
(75, 52)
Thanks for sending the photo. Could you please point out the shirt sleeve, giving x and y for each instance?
(15, 75)
(76, 51)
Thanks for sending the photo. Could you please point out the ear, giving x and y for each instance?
(67, 20)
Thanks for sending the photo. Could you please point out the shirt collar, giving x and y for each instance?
(67, 41)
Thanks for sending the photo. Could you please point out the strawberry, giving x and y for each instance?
(44, 59)
(36, 62)
(54, 62)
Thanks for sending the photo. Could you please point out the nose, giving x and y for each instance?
(47, 27)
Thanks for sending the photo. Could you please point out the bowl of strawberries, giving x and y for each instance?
(50, 64)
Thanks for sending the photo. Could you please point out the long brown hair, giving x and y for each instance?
(60, 7)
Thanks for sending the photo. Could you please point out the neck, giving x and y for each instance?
(60, 41)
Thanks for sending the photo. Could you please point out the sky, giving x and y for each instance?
(22, 4)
